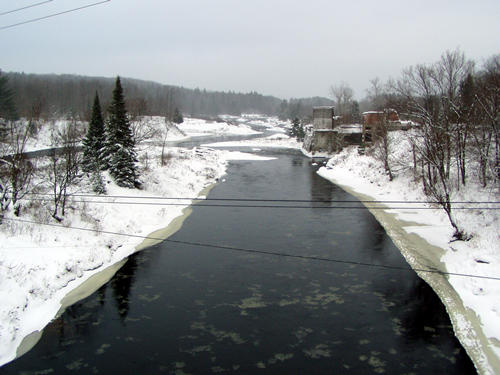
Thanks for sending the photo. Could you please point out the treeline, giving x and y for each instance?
(56, 96)
(301, 108)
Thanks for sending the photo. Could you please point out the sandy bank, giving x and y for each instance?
(421, 255)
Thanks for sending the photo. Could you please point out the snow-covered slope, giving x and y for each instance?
(480, 256)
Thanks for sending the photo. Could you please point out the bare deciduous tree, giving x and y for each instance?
(16, 170)
(383, 146)
(143, 130)
(427, 100)
(64, 167)
(486, 133)
(343, 94)
(164, 141)
(376, 94)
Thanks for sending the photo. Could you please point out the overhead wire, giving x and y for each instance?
(53, 15)
(134, 203)
(93, 195)
(369, 204)
(25, 7)
(260, 203)
(262, 252)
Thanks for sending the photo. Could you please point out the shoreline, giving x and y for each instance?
(100, 276)
(92, 280)
(420, 254)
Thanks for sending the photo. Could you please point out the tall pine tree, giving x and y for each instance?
(93, 143)
(93, 148)
(120, 153)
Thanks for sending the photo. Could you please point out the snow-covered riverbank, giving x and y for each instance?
(40, 264)
(42, 261)
(473, 303)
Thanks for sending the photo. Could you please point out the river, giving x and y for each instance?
(180, 308)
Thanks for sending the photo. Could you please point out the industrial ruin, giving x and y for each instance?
(327, 135)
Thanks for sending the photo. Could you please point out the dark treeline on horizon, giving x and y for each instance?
(55, 96)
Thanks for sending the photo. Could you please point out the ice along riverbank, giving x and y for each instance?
(423, 238)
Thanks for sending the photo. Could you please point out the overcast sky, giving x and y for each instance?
(286, 48)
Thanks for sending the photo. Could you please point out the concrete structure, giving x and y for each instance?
(328, 137)
(323, 118)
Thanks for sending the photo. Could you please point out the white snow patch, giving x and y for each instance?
(199, 127)
(267, 142)
(235, 155)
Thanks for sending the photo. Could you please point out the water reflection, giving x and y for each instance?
(121, 285)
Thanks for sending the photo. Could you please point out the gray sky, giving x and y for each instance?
(286, 48)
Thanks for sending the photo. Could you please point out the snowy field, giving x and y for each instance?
(479, 256)
(270, 123)
(196, 127)
(46, 134)
(273, 141)
(40, 264)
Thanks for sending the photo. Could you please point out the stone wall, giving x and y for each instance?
(329, 141)
(323, 118)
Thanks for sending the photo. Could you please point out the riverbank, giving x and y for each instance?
(423, 235)
(41, 261)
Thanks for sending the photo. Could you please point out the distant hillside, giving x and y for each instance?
(49, 95)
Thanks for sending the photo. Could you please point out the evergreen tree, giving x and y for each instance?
(298, 129)
(120, 153)
(93, 143)
(7, 107)
(178, 119)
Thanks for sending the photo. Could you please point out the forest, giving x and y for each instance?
(71, 96)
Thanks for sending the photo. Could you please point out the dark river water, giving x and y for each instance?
(181, 309)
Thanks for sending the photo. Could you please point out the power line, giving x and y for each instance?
(90, 195)
(360, 207)
(262, 252)
(135, 203)
(369, 204)
(54, 15)
(26, 7)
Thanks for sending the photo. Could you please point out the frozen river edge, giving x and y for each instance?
(91, 282)
(421, 255)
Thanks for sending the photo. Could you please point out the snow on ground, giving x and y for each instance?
(479, 256)
(40, 264)
(235, 155)
(45, 134)
(198, 127)
(270, 123)
(273, 141)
